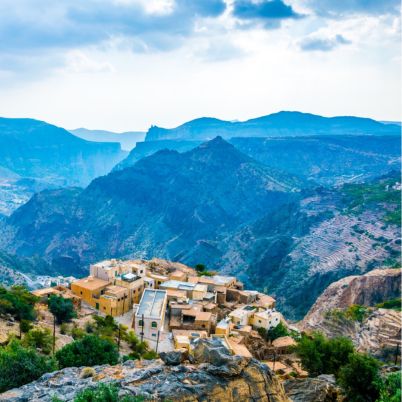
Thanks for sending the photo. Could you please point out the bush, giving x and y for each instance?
(77, 333)
(390, 388)
(25, 326)
(356, 312)
(139, 349)
(38, 338)
(19, 365)
(18, 302)
(87, 372)
(88, 351)
(360, 378)
(61, 308)
(105, 393)
(200, 268)
(277, 332)
(64, 328)
(320, 355)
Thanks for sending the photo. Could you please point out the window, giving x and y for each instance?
(81, 292)
(154, 324)
(104, 308)
(203, 325)
(153, 334)
(259, 321)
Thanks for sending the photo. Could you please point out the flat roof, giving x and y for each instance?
(179, 285)
(152, 303)
(91, 283)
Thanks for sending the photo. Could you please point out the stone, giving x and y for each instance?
(174, 357)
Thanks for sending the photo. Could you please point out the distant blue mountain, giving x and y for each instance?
(282, 124)
(127, 139)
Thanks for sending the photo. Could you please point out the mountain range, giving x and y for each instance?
(216, 205)
(126, 139)
(35, 155)
(282, 124)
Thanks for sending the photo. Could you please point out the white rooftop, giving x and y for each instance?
(151, 304)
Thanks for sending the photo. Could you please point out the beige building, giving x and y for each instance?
(194, 291)
(242, 315)
(114, 301)
(134, 284)
(90, 290)
(149, 316)
(266, 319)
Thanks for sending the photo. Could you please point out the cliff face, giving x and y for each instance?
(379, 332)
(214, 375)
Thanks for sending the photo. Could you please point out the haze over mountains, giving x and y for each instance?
(286, 213)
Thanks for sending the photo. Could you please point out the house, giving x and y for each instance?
(183, 338)
(89, 290)
(149, 316)
(242, 315)
(158, 279)
(283, 345)
(178, 276)
(114, 301)
(134, 284)
(223, 327)
(194, 291)
(266, 319)
(66, 293)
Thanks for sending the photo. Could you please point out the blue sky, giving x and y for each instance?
(127, 64)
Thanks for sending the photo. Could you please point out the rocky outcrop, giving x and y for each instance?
(213, 375)
(379, 332)
(319, 389)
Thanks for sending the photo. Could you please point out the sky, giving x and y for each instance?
(125, 65)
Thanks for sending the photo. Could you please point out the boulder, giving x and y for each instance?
(175, 357)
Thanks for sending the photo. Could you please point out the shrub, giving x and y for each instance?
(105, 393)
(25, 325)
(360, 378)
(356, 312)
(18, 302)
(320, 355)
(77, 333)
(390, 388)
(19, 365)
(200, 268)
(88, 351)
(64, 328)
(139, 349)
(39, 338)
(277, 332)
(61, 308)
(87, 372)
(394, 304)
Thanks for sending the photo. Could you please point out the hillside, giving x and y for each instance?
(35, 155)
(282, 124)
(325, 159)
(168, 204)
(126, 139)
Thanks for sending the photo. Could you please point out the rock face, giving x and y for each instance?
(320, 389)
(379, 332)
(214, 375)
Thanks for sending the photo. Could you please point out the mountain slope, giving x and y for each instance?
(48, 156)
(127, 139)
(273, 125)
(166, 205)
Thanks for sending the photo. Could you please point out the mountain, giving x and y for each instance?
(282, 124)
(168, 204)
(325, 159)
(126, 139)
(374, 326)
(215, 205)
(36, 155)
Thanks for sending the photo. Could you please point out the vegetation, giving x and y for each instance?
(18, 302)
(320, 355)
(39, 338)
(139, 349)
(356, 312)
(20, 365)
(393, 304)
(202, 270)
(274, 333)
(88, 351)
(360, 378)
(61, 308)
(105, 393)
(390, 388)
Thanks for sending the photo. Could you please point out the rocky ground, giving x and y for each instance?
(212, 375)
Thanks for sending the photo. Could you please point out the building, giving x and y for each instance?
(184, 338)
(89, 290)
(158, 279)
(283, 345)
(266, 319)
(134, 284)
(108, 270)
(242, 315)
(114, 301)
(194, 291)
(149, 317)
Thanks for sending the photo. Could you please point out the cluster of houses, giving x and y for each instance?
(175, 302)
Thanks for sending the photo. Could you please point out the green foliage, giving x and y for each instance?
(106, 327)
(64, 329)
(18, 302)
(139, 349)
(19, 365)
(39, 338)
(61, 308)
(88, 351)
(320, 355)
(277, 332)
(25, 325)
(105, 393)
(393, 304)
(390, 388)
(77, 333)
(200, 268)
(356, 312)
(360, 378)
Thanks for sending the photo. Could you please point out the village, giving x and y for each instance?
(170, 305)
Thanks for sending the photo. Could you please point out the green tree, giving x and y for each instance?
(390, 388)
(61, 308)
(18, 302)
(25, 326)
(139, 349)
(19, 365)
(39, 338)
(277, 332)
(88, 351)
(200, 268)
(320, 355)
(360, 378)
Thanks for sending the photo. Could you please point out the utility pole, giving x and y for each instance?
(118, 339)
(396, 354)
(54, 332)
(142, 328)
(157, 342)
